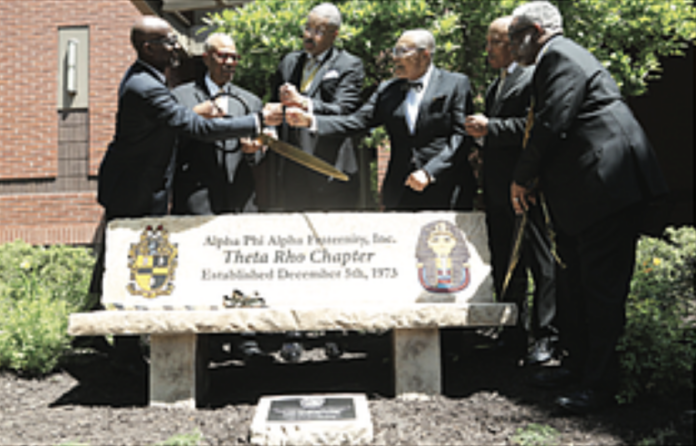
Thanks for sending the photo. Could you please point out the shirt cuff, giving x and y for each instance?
(431, 179)
(258, 118)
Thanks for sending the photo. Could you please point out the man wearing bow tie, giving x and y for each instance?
(423, 110)
(501, 132)
(324, 80)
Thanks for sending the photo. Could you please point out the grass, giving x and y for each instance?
(189, 439)
(535, 435)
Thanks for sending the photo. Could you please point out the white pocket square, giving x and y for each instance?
(330, 75)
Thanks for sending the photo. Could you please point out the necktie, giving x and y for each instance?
(310, 70)
(501, 83)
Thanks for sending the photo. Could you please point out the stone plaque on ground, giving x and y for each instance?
(312, 409)
(314, 259)
(312, 419)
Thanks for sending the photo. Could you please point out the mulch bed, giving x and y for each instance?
(486, 401)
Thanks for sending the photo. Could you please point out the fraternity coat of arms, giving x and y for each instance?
(152, 263)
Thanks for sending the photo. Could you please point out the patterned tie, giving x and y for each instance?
(310, 70)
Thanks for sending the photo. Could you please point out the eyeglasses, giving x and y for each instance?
(224, 56)
(401, 51)
(515, 34)
(319, 32)
(168, 40)
(498, 42)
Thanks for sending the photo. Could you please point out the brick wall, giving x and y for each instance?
(70, 218)
(41, 199)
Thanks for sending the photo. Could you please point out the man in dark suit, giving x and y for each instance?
(324, 80)
(423, 110)
(596, 169)
(502, 131)
(135, 175)
(216, 177)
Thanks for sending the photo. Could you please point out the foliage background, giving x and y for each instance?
(628, 36)
(658, 349)
(39, 288)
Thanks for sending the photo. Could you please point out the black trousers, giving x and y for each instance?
(535, 257)
(592, 292)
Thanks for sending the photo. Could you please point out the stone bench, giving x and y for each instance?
(412, 273)
(178, 360)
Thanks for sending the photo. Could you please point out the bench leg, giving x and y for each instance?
(417, 369)
(177, 370)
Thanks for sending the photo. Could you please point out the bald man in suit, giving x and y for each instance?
(502, 130)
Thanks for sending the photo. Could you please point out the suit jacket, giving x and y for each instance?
(214, 177)
(135, 174)
(502, 145)
(439, 134)
(589, 152)
(335, 91)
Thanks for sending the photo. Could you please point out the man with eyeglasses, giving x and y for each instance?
(596, 168)
(423, 110)
(325, 80)
(215, 177)
(501, 130)
(136, 173)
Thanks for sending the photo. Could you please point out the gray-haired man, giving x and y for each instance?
(597, 169)
(423, 111)
(327, 81)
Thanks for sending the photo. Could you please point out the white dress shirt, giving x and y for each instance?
(414, 98)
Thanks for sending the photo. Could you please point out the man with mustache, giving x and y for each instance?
(423, 110)
(593, 162)
(324, 80)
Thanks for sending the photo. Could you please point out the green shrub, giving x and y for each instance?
(39, 288)
(658, 348)
(64, 271)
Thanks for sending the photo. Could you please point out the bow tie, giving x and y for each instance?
(418, 86)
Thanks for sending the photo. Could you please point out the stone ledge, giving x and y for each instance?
(279, 319)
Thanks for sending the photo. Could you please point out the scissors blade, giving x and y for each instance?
(301, 157)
